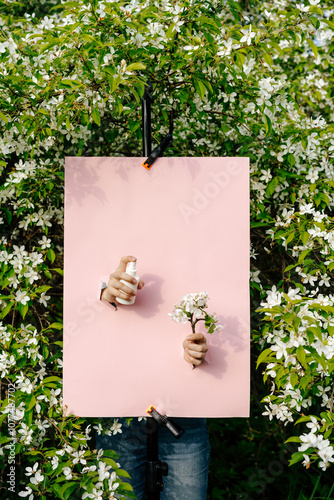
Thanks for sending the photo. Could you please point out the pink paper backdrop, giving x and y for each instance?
(187, 222)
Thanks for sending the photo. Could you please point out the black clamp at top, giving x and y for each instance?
(164, 144)
(158, 151)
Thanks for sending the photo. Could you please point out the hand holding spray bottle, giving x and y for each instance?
(131, 269)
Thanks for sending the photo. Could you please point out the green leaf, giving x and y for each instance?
(296, 457)
(28, 417)
(125, 486)
(50, 379)
(294, 379)
(58, 270)
(305, 381)
(315, 22)
(114, 82)
(316, 10)
(301, 356)
(316, 330)
(3, 117)
(313, 47)
(109, 461)
(271, 186)
(288, 268)
(123, 473)
(68, 489)
(96, 116)
(55, 326)
(51, 255)
(293, 439)
(303, 255)
(304, 237)
(6, 309)
(239, 59)
(23, 309)
(111, 454)
(304, 418)
(30, 402)
(204, 20)
(291, 159)
(56, 488)
(199, 87)
(265, 355)
(135, 66)
(42, 289)
(268, 125)
(267, 58)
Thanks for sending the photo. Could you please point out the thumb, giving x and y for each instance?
(124, 261)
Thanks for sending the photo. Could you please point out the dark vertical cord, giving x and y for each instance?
(146, 120)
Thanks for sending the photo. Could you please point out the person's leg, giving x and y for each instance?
(187, 459)
(130, 445)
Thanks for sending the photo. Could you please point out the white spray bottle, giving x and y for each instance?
(131, 269)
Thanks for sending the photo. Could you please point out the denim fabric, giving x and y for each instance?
(187, 457)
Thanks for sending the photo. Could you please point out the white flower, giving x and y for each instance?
(31, 470)
(79, 457)
(53, 394)
(26, 386)
(248, 35)
(254, 276)
(308, 278)
(266, 175)
(98, 494)
(302, 7)
(309, 441)
(280, 348)
(98, 428)
(313, 425)
(116, 427)
(294, 294)
(103, 471)
(179, 316)
(306, 462)
(67, 471)
(324, 280)
(38, 478)
(92, 468)
(27, 492)
(325, 452)
(22, 297)
(31, 275)
(5, 256)
(43, 298)
(47, 23)
(55, 462)
(306, 209)
(26, 434)
(274, 298)
(177, 24)
(45, 242)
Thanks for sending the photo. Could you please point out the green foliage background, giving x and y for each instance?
(243, 78)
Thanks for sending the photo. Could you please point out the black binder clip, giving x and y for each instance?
(158, 151)
(174, 428)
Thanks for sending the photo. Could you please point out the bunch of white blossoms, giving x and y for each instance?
(192, 308)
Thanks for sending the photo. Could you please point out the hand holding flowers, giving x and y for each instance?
(192, 308)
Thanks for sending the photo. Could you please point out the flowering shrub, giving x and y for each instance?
(192, 308)
(71, 82)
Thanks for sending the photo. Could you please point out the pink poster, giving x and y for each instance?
(187, 223)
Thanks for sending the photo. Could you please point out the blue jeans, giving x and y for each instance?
(187, 457)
